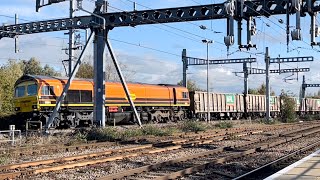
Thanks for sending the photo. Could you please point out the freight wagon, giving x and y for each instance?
(221, 106)
(231, 106)
(257, 105)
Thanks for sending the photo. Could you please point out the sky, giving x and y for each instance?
(154, 51)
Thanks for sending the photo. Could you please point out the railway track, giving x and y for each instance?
(29, 168)
(55, 148)
(180, 167)
(277, 164)
(189, 140)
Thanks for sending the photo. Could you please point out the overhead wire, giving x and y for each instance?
(271, 21)
(181, 29)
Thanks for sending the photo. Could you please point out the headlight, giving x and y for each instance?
(34, 107)
(17, 109)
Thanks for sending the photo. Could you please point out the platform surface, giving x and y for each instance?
(307, 168)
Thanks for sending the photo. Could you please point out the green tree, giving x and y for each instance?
(85, 71)
(49, 71)
(13, 70)
(191, 85)
(33, 67)
(288, 106)
(261, 90)
(252, 91)
(9, 73)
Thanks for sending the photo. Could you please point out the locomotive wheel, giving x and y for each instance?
(159, 118)
(181, 118)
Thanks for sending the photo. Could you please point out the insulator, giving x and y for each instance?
(296, 34)
(296, 4)
(229, 8)
(229, 40)
(317, 31)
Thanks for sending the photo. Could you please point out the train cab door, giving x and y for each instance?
(174, 96)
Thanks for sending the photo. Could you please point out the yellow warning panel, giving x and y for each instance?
(133, 97)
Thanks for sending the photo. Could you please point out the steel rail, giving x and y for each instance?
(184, 143)
(59, 148)
(277, 160)
(205, 154)
(203, 139)
(228, 158)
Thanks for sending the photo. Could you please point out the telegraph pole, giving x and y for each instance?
(267, 60)
(71, 40)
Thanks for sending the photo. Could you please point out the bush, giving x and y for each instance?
(223, 125)
(103, 134)
(156, 131)
(4, 159)
(288, 106)
(193, 126)
(112, 134)
(125, 135)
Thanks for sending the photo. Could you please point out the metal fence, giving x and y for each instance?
(10, 135)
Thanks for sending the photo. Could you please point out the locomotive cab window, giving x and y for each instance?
(32, 89)
(47, 90)
(184, 94)
(19, 91)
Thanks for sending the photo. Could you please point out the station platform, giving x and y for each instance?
(307, 168)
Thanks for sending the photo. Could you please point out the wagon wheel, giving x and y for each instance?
(56, 122)
(156, 119)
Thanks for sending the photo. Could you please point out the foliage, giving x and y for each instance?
(34, 67)
(191, 85)
(4, 159)
(315, 95)
(310, 117)
(10, 72)
(49, 71)
(156, 131)
(112, 134)
(193, 126)
(288, 105)
(223, 125)
(103, 134)
(261, 90)
(86, 70)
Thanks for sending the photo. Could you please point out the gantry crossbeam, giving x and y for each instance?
(263, 71)
(291, 59)
(310, 85)
(198, 61)
(180, 14)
